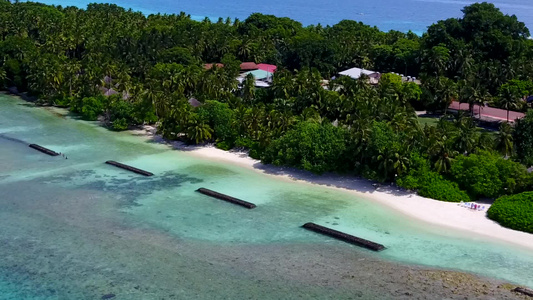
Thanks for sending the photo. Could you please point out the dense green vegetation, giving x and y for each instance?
(123, 68)
(314, 147)
(515, 211)
(430, 183)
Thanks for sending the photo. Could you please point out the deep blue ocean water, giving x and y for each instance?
(402, 15)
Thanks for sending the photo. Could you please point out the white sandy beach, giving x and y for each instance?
(448, 215)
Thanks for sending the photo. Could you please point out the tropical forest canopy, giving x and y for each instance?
(71, 57)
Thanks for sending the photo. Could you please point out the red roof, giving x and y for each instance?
(267, 67)
(489, 112)
(209, 66)
(248, 66)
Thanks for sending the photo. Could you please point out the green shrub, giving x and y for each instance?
(408, 182)
(310, 146)
(120, 124)
(441, 189)
(91, 108)
(489, 175)
(63, 101)
(219, 117)
(430, 184)
(255, 151)
(523, 139)
(244, 143)
(514, 211)
(433, 185)
(120, 112)
(255, 154)
(224, 145)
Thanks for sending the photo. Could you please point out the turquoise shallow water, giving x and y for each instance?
(402, 15)
(81, 218)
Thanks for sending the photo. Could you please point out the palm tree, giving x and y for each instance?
(253, 119)
(248, 89)
(504, 139)
(485, 141)
(360, 134)
(443, 163)
(438, 146)
(240, 118)
(448, 92)
(72, 70)
(508, 99)
(283, 85)
(437, 59)
(198, 131)
(157, 100)
(401, 163)
(245, 49)
(465, 137)
(473, 93)
(386, 163)
(463, 63)
(3, 75)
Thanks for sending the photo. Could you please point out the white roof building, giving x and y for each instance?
(356, 73)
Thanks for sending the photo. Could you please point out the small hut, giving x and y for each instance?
(195, 103)
(110, 92)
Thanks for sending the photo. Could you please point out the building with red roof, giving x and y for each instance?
(486, 112)
(267, 67)
(248, 66)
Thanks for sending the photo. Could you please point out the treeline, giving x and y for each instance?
(514, 211)
(126, 69)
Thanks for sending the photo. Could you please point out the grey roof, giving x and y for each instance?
(108, 80)
(194, 103)
(110, 92)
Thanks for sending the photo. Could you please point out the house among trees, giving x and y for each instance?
(374, 76)
(251, 66)
(108, 90)
(262, 73)
(356, 73)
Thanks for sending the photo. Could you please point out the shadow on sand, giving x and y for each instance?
(349, 182)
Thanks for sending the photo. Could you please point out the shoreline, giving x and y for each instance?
(447, 215)
(443, 215)
(415, 278)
